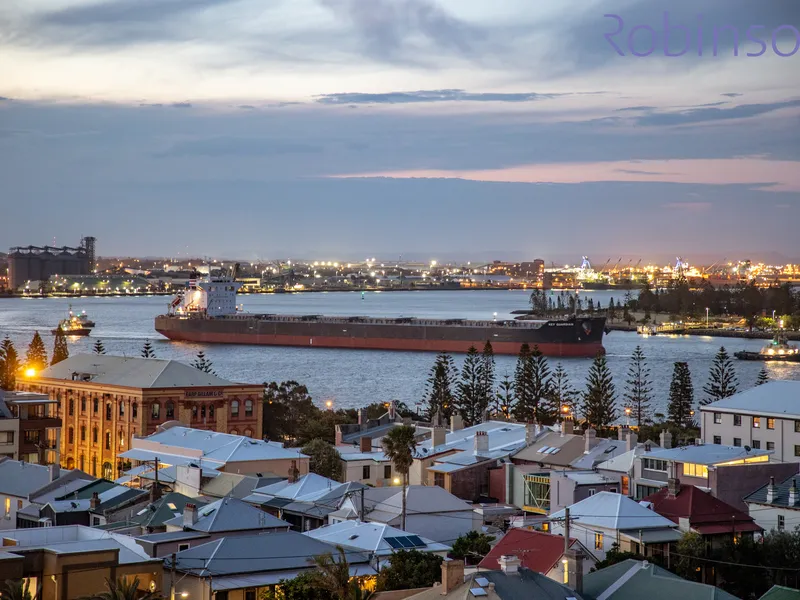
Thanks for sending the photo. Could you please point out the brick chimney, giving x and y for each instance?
(631, 441)
(94, 502)
(771, 490)
(392, 410)
(293, 471)
(366, 444)
(360, 416)
(590, 440)
(438, 436)
(568, 426)
(673, 487)
(622, 433)
(481, 443)
(452, 575)
(793, 495)
(339, 436)
(456, 423)
(574, 565)
(55, 471)
(665, 440)
(509, 564)
(189, 514)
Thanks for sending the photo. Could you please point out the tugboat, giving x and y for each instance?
(74, 325)
(778, 350)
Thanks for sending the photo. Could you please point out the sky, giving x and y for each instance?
(428, 129)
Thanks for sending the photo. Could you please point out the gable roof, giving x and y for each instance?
(504, 438)
(778, 592)
(705, 454)
(616, 512)
(371, 537)
(773, 399)
(707, 515)
(568, 448)
(420, 499)
(168, 507)
(21, 479)
(781, 494)
(537, 550)
(623, 463)
(133, 372)
(523, 585)
(634, 580)
(230, 514)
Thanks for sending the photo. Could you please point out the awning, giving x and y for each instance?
(251, 580)
(718, 528)
(653, 536)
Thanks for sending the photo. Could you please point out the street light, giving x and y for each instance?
(30, 372)
(628, 416)
(329, 404)
(706, 317)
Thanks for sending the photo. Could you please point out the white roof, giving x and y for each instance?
(615, 512)
(370, 537)
(604, 449)
(133, 372)
(502, 435)
(773, 399)
(622, 463)
(586, 477)
(705, 454)
(230, 514)
(420, 499)
(306, 489)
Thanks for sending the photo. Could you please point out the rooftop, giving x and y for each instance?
(706, 454)
(623, 463)
(778, 592)
(615, 512)
(523, 585)
(20, 479)
(376, 538)
(157, 513)
(781, 494)
(230, 514)
(132, 372)
(554, 449)
(539, 551)
(504, 438)
(773, 399)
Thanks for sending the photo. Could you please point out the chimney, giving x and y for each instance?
(293, 472)
(360, 416)
(568, 426)
(574, 565)
(94, 503)
(665, 440)
(631, 441)
(590, 440)
(55, 471)
(793, 496)
(456, 423)
(366, 444)
(452, 575)
(189, 514)
(481, 443)
(392, 410)
(438, 437)
(622, 433)
(339, 435)
(530, 433)
(771, 490)
(509, 564)
(673, 487)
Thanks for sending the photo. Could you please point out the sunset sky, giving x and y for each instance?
(429, 128)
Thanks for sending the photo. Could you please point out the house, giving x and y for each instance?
(622, 466)
(30, 427)
(569, 487)
(606, 519)
(227, 516)
(74, 561)
(538, 551)
(765, 417)
(635, 580)
(20, 480)
(510, 582)
(375, 539)
(201, 451)
(106, 401)
(779, 592)
(431, 511)
(776, 507)
(243, 567)
(306, 502)
(152, 517)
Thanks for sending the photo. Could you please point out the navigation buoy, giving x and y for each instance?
(362, 295)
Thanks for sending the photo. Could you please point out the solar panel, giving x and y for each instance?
(417, 541)
(478, 592)
(406, 542)
(394, 543)
(482, 581)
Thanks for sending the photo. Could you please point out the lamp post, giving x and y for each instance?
(706, 317)
(628, 416)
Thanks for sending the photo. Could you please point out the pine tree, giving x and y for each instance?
(562, 393)
(60, 349)
(36, 358)
(99, 348)
(681, 396)
(763, 377)
(504, 401)
(147, 350)
(543, 409)
(470, 396)
(600, 396)
(487, 374)
(638, 388)
(523, 386)
(439, 388)
(722, 381)
(201, 363)
(9, 365)
(611, 310)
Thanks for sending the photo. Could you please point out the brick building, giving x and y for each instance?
(104, 401)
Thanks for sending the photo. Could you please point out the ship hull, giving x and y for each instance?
(577, 338)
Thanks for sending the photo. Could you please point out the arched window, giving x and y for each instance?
(235, 408)
(203, 412)
(248, 408)
(234, 432)
(211, 411)
(94, 466)
(121, 439)
(170, 407)
(83, 433)
(121, 408)
(71, 407)
(70, 436)
(70, 463)
(94, 435)
(83, 404)
(155, 411)
(248, 432)
(108, 411)
(108, 440)
(108, 470)
(95, 407)
(134, 410)
(194, 412)
(82, 463)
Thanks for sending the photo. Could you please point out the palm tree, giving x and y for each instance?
(15, 589)
(399, 445)
(333, 575)
(124, 589)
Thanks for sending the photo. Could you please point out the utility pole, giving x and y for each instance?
(172, 577)
(361, 509)
(566, 530)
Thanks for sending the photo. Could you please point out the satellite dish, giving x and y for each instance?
(747, 448)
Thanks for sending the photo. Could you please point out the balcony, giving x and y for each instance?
(38, 423)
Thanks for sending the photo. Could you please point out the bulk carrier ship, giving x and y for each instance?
(206, 311)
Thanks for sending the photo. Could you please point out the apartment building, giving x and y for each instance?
(30, 428)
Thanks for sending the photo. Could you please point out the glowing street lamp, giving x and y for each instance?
(707, 317)
(30, 372)
(628, 416)
(329, 404)
(396, 481)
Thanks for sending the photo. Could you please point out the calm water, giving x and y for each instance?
(354, 378)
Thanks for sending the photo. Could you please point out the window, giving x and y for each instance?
(626, 489)
(108, 470)
(770, 423)
(757, 444)
(250, 594)
(387, 471)
(796, 450)
(248, 408)
(693, 470)
(121, 408)
(8, 506)
(71, 407)
(365, 472)
(108, 411)
(203, 412)
(155, 411)
(797, 426)
(121, 438)
(756, 422)
(194, 412)
(83, 433)
(653, 464)
(182, 547)
(235, 408)
(6, 437)
(221, 596)
(94, 435)
(717, 439)
(598, 541)
(31, 437)
(438, 479)
(770, 445)
(169, 407)
(717, 418)
(19, 504)
(83, 404)
(613, 490)
(211, 411)
(134, 410)
(781, 522)
(642, 491)
(592, 491)
(737, 441)
(737, 420)
(108, 440)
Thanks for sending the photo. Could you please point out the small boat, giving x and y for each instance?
(83, 319)
(74, 325)
(779, 349)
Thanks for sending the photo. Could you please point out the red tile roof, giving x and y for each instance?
(538, 551)
(707, 515)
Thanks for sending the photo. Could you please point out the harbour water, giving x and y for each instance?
(353, 378)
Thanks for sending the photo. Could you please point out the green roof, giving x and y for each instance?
(778, 592)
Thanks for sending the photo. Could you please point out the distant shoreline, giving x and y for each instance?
(711, 332)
